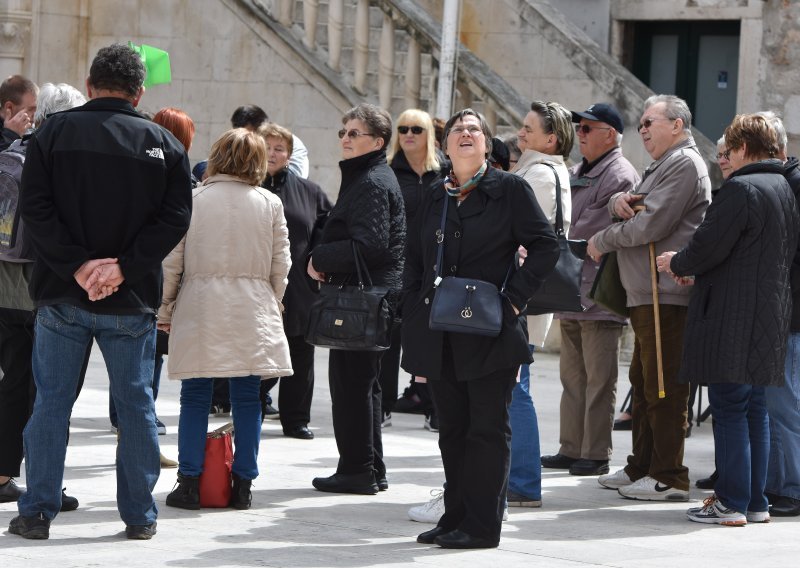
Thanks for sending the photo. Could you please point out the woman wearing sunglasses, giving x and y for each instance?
(369, 212)
(546, 139)
(417, 163)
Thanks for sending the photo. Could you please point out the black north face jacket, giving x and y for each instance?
(101, 181)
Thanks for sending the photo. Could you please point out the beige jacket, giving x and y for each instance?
(677, 192)
(223, 284)
(531, 168)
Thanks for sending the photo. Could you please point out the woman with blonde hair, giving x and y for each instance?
(223, 286)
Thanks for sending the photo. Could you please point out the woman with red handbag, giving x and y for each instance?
(223, 286)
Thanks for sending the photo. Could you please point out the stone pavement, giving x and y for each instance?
(293, 525)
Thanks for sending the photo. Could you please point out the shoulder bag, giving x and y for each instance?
(463, 305)
(351, 317)
(561, 290)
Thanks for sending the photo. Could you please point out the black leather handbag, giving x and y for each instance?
(463, 305)
(561, 290)
(351, 317)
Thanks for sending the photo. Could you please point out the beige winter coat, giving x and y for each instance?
(223, 284)
(543, 182)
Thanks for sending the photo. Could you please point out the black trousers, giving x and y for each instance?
(17, 388)
(296, 392)
(356, 406)
(390, 370)
(475, 441)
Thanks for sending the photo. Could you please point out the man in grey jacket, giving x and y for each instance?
(675, 192)
(590, 340)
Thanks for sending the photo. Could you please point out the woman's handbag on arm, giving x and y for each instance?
(351, 317)
(463, 305)
(561, 290)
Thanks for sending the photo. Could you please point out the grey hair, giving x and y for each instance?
(55, 98)
(674, 108)
(721, 141)
(777, 124)
(618, 138)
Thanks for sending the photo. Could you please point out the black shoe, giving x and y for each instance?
(625, 424)
(383, 483)
(460, 539)
(358, 483)
(589, 467)
(187, 494)
(558, 461)
(387, 420)
(140, 532)
(220, 410)
(300, 432)
(772, 498)
(68, 503)
(707, 482)
(410, 403)
(269, 412)
(36, 528)
(10, 491)
(785, 507)
(515, 499)
(241, 497)
(432, 422)
(429, 536)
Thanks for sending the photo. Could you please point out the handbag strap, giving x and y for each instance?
(362, 272)
(440, 251)
(559, 210)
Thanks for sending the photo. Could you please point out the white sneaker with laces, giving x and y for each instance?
(431, 511)
(648, 489)
(615, 480)
(714, 512)
(758, 517)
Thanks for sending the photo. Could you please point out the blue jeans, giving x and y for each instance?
(525, 476)
(127, 342)
(112, 410)
(783, 407)
(193, 424)
(741, 440)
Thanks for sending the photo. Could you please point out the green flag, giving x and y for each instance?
(156, 63)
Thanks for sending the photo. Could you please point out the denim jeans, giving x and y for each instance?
(783, 407)
(127, 342)
(193, 424)
(112, 410)
(525, 476)
(741, 440)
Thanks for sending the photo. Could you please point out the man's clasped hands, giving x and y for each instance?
(100, 277)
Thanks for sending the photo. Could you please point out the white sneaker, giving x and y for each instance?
(648, 489)
(431, 511)
(714, 512)
(615, 480)
(758, 516)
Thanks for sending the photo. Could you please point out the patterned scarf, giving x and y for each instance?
(453, 189)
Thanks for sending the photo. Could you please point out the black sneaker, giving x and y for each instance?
(10, 491)
(140, 532)
(161, 428)
(558, 461)
(269, 412)
(409, 403)
(36, 528)
(68, 503)
(432, 422)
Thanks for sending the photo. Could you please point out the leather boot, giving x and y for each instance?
(241, 497)
(187, 494)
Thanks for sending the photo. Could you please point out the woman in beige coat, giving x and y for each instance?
(223, 286)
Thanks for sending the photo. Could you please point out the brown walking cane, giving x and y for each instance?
(656, 313)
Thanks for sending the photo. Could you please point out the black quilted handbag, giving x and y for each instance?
(463, 305)
(351, 317)
(561, 290)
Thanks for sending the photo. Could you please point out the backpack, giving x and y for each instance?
(12, 246)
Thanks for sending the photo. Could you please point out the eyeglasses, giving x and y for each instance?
(472, 129)
(353, 133)
(586, 129)
(726, 154)
(414, 129)
(648, 122)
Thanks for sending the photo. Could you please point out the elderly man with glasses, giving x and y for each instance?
(590, 340)
(675, 191)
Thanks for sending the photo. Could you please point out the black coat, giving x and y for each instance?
(792, 173)
(413, 186)
(370, 212)
(481, 239)
(738, 319)
(304, 203)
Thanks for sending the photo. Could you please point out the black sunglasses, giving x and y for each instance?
(413, 129)
(586, 129)
(648, 122)
(353, 133)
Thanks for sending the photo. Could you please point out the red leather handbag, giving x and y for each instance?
(215, 481)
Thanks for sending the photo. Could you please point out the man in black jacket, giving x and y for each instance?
(106, 194)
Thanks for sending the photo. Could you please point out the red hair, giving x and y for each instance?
(177, 122)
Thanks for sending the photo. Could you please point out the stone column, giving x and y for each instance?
(413, 73)
(360, 49)
(335, 25)
(386, 63)
(310, 14)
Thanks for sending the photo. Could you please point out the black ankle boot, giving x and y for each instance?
(187, 494)
(241, 497)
